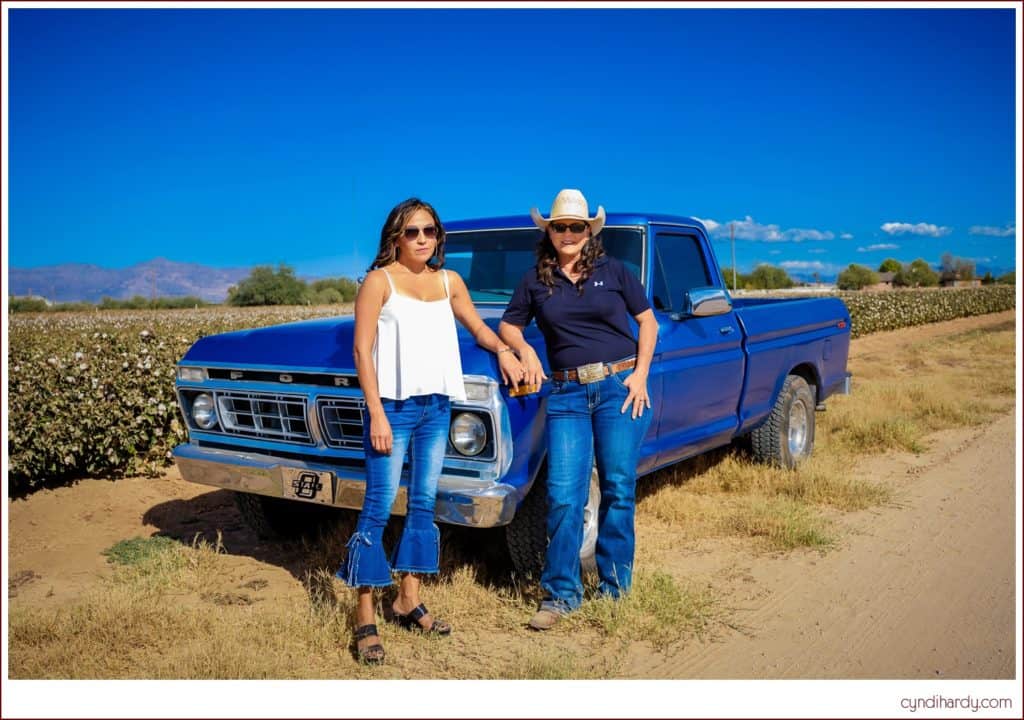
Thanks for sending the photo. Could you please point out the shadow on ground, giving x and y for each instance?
(319, 549)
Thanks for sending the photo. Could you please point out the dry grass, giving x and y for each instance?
(659, 611)
(170, 615)
(171, 610)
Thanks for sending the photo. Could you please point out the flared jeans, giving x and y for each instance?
(419, 429)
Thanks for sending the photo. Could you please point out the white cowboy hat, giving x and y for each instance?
(570, 205)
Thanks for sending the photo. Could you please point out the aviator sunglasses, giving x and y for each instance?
(411, 233)
(576, 227)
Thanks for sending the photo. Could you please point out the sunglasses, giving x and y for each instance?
(576, 227)
(411, 233)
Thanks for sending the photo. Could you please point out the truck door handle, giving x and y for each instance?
(725, 330)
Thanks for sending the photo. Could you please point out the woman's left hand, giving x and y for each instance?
(637, 397)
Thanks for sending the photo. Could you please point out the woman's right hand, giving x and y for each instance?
(531, 364)
(380, 434)
(511, 369)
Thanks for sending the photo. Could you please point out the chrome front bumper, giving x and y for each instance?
(460, 501)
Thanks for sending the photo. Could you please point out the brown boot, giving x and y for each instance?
(545, 619)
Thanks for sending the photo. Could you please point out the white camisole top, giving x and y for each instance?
(417, 349)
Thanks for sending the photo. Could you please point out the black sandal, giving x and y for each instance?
(410, 621)
(372, 655)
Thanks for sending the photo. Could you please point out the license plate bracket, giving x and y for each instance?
(313, 486)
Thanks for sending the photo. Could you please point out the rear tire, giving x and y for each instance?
(527, 534)
(786, 438)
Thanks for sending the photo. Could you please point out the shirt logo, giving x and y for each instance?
(598, 283)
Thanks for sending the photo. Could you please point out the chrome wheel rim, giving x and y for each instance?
(797, 428)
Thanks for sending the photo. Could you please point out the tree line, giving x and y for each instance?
(918, 273)
(138, 302)
(267, 286)
(763, 277)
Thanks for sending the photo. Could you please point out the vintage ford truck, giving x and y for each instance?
(276, 413)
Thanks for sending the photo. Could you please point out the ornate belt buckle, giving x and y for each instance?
(590, 373)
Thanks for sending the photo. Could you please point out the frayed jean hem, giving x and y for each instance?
(366, 564)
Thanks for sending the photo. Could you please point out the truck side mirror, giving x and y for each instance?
(704, 302)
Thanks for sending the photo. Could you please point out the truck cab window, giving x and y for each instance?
(493, 261)
(679, 266)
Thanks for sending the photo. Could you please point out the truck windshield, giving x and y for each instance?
(492, 262)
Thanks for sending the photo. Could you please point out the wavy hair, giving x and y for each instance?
(547, 260)
(394, 226)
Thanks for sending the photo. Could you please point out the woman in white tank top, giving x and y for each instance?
(407, 358)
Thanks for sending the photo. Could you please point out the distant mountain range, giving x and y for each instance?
(76, 282)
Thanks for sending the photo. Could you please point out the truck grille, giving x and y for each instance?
(342, 421)
(269, 416)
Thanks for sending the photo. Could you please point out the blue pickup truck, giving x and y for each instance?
(276, 414)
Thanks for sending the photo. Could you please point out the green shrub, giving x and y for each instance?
(22, 304)
(265, 286)
(856, 277)
(92, 394)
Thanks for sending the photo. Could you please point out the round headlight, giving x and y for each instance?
(468, 434)
(203, 412)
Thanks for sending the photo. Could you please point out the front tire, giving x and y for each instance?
(786, 438)
(527, 534)
(277, 518)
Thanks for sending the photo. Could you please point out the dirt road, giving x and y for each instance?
(923, 588)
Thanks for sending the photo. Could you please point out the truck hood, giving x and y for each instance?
(325, 345)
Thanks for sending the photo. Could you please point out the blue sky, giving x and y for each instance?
(236, 137)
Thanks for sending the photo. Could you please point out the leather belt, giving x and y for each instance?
(593, 372)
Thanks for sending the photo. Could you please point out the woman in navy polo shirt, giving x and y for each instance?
(598, 409)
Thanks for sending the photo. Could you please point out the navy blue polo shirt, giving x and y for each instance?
(581, 328)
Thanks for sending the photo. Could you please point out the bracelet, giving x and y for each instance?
(507, 348)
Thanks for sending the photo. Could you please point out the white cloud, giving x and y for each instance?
(817, 251)
(846, 236)
(928, 229)
(711, 225)
(774, 252)
(801, 234)
(750, 229)
(878, 246)
(993, 231)
(806, 265)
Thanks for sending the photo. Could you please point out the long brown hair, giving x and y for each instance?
(393, 228)
(547, 260)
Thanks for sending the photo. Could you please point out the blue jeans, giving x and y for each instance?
(584, 424)
(419, 427)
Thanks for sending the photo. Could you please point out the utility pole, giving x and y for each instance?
(732, 242)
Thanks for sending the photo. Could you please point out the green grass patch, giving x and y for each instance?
(140, 551)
